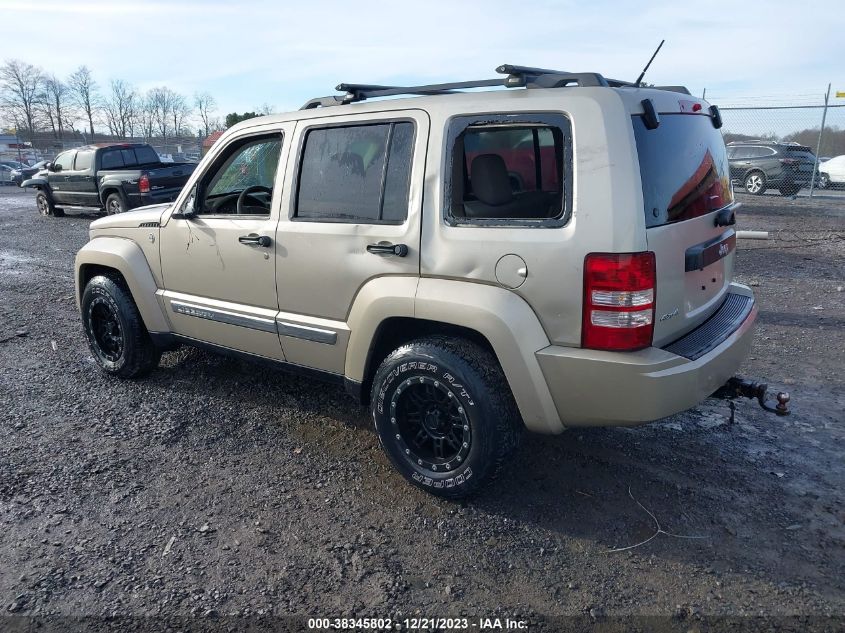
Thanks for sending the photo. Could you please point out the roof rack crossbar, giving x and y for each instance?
(531, 77)
(516, 77)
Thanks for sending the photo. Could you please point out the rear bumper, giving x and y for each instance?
(593, 388)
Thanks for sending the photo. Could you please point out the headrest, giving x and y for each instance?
(490, 181)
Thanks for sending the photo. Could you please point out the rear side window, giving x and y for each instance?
(357, 173)
(800, 152)
(507, 170)
(683, 168)
(83, 160)
(112, 159)
(146, 155)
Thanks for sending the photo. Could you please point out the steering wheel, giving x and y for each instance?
(252, 189)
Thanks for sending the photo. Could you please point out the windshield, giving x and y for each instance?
(684, 168)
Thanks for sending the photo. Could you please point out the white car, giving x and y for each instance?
(832, 172)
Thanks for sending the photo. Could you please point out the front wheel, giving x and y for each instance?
(45, 205)
(755, 183)
(445, 415)
(824, 181)
(116, 334)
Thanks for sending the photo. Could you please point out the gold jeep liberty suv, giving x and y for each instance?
(466, 264)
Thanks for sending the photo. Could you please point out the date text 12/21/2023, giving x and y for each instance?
(417, 624)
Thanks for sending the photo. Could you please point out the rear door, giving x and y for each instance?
(81, 185)
(350, 215)
(686, 184)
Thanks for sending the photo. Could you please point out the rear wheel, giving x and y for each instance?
(755, 183)
(115, 204)
(116, 334)
(445, 415)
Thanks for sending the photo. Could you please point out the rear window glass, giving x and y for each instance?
(128, 157)
(684, 168)
(112, 159)
(146, 155)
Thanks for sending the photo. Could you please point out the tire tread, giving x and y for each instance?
(508, 422)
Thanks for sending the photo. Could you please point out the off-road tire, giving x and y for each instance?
(109, 296)
(755, 183)
(479, 391)
(115, 204)
(44, 204)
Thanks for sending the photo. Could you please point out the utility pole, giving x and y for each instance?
(18, 143)
(819, 144)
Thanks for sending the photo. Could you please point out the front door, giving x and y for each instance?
(59, 178)
(351, 216)
(218, 263)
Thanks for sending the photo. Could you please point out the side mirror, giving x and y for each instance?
(55, 168)
(188, 211)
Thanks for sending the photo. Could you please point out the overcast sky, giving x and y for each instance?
(281, 53)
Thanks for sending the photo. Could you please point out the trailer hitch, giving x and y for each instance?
(738, 387)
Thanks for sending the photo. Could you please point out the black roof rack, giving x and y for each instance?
(517, 77)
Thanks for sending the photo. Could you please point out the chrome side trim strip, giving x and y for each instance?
(223, 316)
(307, 332)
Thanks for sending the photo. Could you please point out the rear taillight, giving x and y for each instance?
(619, 291)
(789, 161)
(144, 184)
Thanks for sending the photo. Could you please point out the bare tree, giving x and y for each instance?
(53, 101)
(265, 109)
(119, 108)
(161, 103)
(145, 115)
(179, 112)
(83, 91)
(20, 87)
(205, 105)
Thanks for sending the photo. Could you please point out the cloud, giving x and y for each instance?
(284, 52)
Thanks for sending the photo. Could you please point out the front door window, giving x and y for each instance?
(241, 182)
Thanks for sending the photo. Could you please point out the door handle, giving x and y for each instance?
(255, 240)
(386, 248)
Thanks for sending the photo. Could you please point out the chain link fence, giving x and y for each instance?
(800, 118)
(44, 147)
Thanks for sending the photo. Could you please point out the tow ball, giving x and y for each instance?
(738, 387)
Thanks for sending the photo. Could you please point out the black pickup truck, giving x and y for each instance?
(113, 177)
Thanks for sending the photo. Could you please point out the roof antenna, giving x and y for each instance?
(642, 74)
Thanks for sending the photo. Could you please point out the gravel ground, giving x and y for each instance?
(214, 488)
